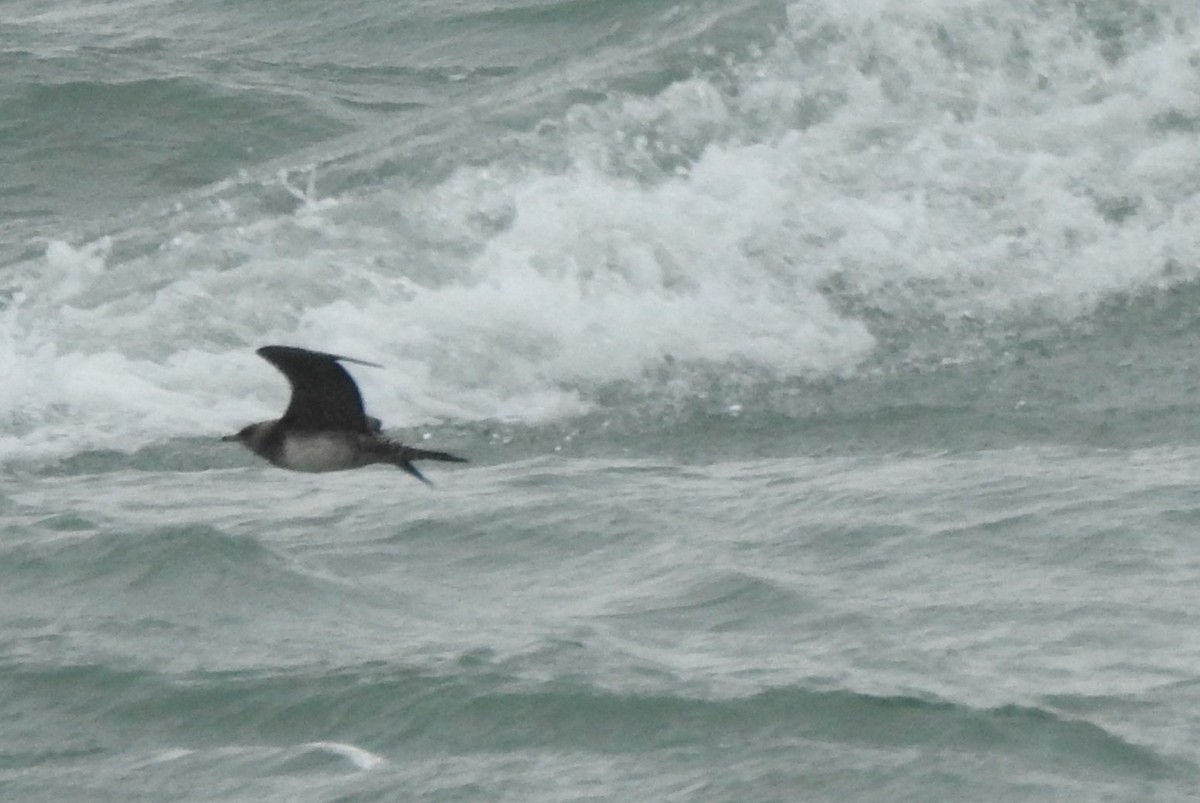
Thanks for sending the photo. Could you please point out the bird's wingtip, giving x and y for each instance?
(271, 352)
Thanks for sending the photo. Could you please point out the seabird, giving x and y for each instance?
(325, 427)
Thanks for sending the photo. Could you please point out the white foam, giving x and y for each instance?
(360, 758)
(933, 159)
(170, 754)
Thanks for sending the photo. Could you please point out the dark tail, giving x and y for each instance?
(402, 456)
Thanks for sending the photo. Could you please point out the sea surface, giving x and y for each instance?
(829, 372)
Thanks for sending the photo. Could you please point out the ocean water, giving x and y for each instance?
(827, 370)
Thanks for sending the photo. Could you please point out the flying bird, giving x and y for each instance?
(325, 427)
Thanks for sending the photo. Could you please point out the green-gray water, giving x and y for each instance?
(827, 372)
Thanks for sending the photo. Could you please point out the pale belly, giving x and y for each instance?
(318, 452)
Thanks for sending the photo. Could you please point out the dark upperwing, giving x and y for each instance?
(324, 395)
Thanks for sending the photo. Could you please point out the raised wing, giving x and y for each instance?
(324, 395)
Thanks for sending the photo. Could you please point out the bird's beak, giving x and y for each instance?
(228, 438)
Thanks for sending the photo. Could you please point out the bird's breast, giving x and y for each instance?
(321, 451)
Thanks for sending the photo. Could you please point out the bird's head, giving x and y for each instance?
(251, 435)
